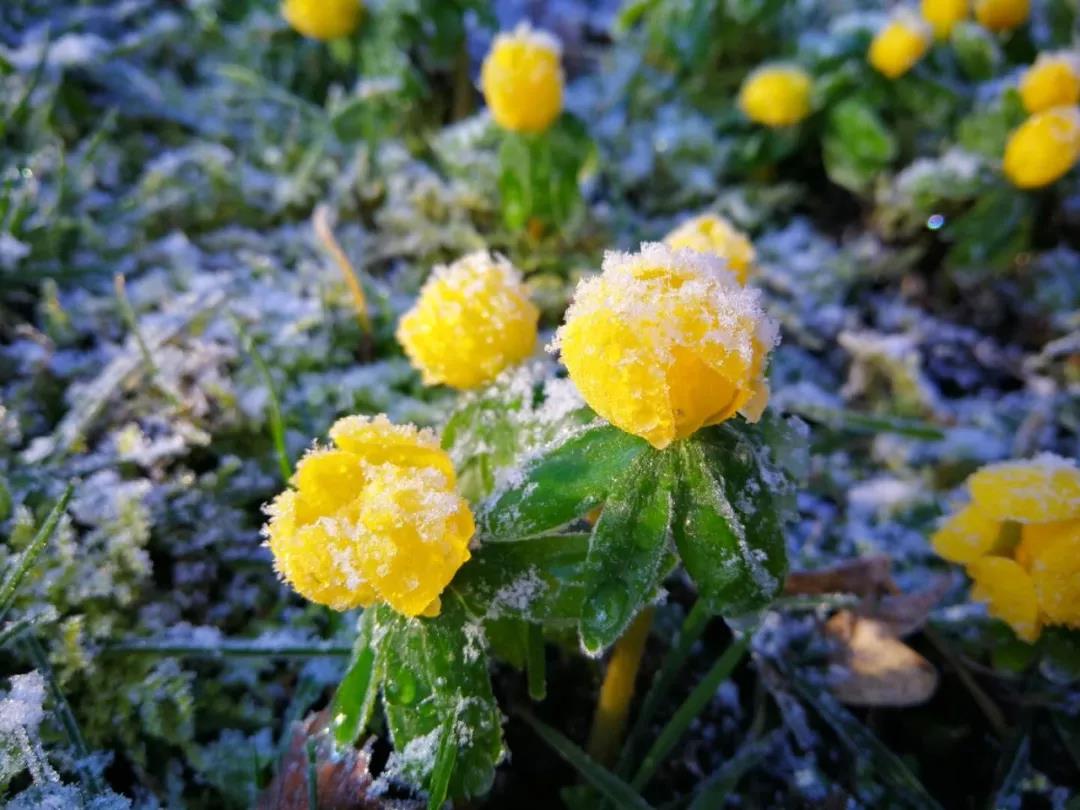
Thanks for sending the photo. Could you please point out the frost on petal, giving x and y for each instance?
(1040, 490)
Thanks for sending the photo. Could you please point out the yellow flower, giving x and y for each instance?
(966, 536)
(1009, 593)
(374, 519)
(1043, 148)
(1056, 573)
(1035, 538)
(323, 19)
(664, 342)
(709, 233)
(1002, 15)
(1039, 490)
(472, 319)
(776, 95)
(522, 80)
(1053, 81)
(896, 48)
(944, 14)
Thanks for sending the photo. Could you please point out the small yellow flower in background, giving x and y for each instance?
(473, 319)
(943, 15)
(776, 95)
(664, 342)
(710, 233)
(1002, 15)
(1044, 148)
(522, 80)
(898, 46)
(374, 519)
(1020, 540)
(323, 19)
(1053, 81)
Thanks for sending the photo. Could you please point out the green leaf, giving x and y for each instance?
(728, 530)
(613, 789)
(990, 235)
(976, 50)
(436, 678)
(538, 580)
(630, 550)
(560, 485)
(1061, 654)
(986, 130)
(355, 697)
(856, 145)
(22, 565)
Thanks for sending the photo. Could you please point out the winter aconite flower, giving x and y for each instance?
(664, 342)
(375, 518)
(710, 233)
(1053, 81)
(776, 95)
(1020, 540)
(1002, 15)
(943, 15)
(1043, 148)
(472, 319)
(898, 46)
(522, 80)
(323, 19)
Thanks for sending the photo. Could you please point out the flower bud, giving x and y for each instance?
(472, 319)
(776, 95)
(323, 19)
(664, 342)
(709, 233)
(522, 80)
(374, 519)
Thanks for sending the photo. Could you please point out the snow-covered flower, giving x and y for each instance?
(943, 15)
(1002, 15)
(711, 233)
(473, 319)
(665, 342)
(899, 46)
(1053, 81)
(323, 19)
(374, 519)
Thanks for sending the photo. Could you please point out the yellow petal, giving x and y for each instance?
(1039, 490)
(966, 536)
(1002, 15)
(776, 95)
(378, 441)
(1035, 538)
(522, 80)
(1009, 593)
(899, 45)
(323, 19)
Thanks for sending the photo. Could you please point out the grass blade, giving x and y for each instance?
(715, 790)
(692, 628)
(614, 789)
(36, 653)
(29, 556)
(908, 791)
(690, 709)
(277, 422)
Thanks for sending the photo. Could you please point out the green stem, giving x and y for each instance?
(534, 662)
(692, 627)
(277, 422)
(690, 709)
(229, 649)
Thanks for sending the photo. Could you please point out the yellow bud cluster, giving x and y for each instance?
(375, 518)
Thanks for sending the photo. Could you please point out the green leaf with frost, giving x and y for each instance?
(436, 683)
(539, 580)
(350, 710)
(630, 551)
(728, 525)
(560, 485)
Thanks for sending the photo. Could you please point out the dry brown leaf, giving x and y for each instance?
(865, 576)
(342, 778)
(872, 667)
(906, 613)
